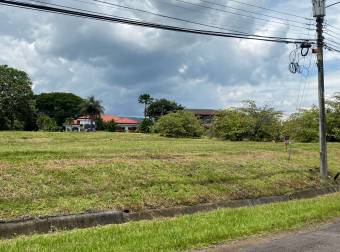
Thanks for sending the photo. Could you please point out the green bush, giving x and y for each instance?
(100, 124)
(231, 124)
(110, 126)
(145, 126)
(248, 123)
(303, 126)
(45, 123)
(179, 124)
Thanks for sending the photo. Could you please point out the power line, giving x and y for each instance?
(233, 8)
(330, 5)
(330, 45)
(330, 48)
(238, 14)
(163, 16)
(238, 32)
(291, 30)
(145, 24)
(144, 11)
(332, 41)
(334, 27)
(268, 9)
(110, 4)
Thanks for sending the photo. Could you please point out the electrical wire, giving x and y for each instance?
(233, 8)
(89, 15)
(332, 47)
(332, 26)
(237, 14)
(109, 4)
(104, 3)
(240, 21)
(268, 9)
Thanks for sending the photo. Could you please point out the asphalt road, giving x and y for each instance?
(323, 238)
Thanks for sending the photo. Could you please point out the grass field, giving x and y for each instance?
(185, 232)
(52, 173)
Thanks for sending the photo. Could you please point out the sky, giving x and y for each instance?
(116, 63)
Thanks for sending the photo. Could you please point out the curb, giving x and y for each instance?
(10, 229)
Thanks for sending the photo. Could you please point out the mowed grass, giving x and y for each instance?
(185, 232)
(58, 173)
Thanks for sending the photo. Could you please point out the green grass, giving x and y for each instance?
(52, 173)
(185, 232)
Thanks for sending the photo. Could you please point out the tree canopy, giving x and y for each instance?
(17, 108)
(92, 108)
(145, 99)
(161, 107)
(248, 123)
(59, 106)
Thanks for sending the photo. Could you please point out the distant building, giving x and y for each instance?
(205, 115)
(123, 124)
(82, 123)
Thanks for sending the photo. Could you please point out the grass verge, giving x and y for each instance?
(185, 232)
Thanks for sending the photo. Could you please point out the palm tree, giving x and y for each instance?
(92, 108)
(145, 99)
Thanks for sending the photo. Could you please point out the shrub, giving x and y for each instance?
(231, 124)
(145, 126)
(100, 125)
(110, 126)
(248, 123)
(179, 124)
(302, 126)
(46, 123)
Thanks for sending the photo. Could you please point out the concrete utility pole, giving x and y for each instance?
(319, 12)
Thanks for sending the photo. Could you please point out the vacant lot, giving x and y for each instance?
(51, 173)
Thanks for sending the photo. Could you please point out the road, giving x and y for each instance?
(323, 238)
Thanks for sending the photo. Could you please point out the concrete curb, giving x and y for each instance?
(9, 229)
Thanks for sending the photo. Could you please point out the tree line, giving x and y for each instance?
(248, 122)
(21, 109)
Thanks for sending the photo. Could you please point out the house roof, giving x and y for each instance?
(119, 120)
(203, 112)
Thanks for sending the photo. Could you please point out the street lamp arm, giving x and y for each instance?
(333, 4)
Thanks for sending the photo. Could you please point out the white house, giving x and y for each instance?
(80, 124)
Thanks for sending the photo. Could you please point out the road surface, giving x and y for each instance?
(323, 238)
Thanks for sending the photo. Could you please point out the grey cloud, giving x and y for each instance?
(117, 62)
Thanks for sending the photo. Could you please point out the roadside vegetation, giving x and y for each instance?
(55, 173)
(186, 232)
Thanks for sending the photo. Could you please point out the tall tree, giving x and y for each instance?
(58, 106)
(92, 108)
(145, 99)
(16, 99)
(161, 107)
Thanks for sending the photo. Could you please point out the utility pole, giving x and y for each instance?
(319, 12)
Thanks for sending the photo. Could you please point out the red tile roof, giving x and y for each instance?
(119, 120)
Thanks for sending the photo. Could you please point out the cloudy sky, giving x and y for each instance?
(116, 62)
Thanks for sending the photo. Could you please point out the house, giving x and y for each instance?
(82, 123)
(205, 115)
(123, 124)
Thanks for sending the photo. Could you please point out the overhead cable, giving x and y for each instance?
(84, 14)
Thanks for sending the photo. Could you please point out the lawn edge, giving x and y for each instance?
(47, 224)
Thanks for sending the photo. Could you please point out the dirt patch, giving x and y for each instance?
(4, 166)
